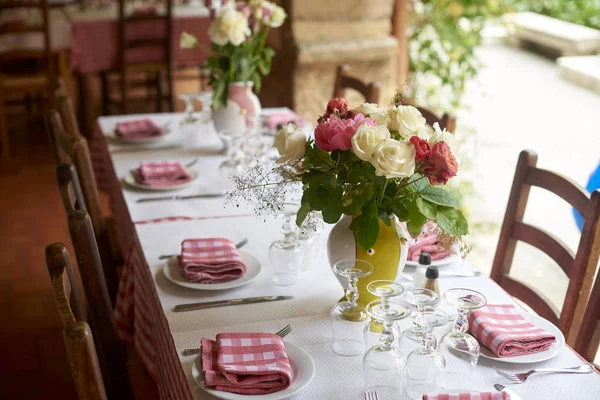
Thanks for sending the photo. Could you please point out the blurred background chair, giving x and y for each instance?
(343, 81)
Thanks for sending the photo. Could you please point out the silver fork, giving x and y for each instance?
(239, 245)
(522, 377)
(371, 395)
(283, 332)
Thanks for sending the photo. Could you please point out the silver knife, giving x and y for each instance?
(501, 388)
(177, 197)
(232, 302)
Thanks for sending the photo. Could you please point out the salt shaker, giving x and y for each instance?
(424, 263)
(431, 279)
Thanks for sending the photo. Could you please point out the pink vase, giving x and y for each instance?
(242, 111)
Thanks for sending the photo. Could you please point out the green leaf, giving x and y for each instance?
(439, 196)
(357, 222)
(427, 208)
(416, 219)
(370, 210)
(367, 235)
(452, 221)
(385, 217)
(400, 210)
(331, 213)
(303, 212)
(418, 183)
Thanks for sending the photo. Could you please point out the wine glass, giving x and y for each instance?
(420, 300)
(307, 235)
(286, 254)
(206, 98)
(460, 349)
(425, 364)
(348, 318)
(437, 319)
(383, 363)
(188, 117)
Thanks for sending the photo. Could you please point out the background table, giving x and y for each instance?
(157, 232)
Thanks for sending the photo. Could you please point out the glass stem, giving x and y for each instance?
(461, 324)
(352, 291)
(387, 334)
(418, 320)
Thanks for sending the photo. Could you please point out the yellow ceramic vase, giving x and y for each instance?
(388, 254)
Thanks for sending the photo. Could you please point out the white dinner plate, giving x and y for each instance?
(167, 132)
(130, 180)
(253, 267)
(553, 351)
(303, 371)
(437, 263)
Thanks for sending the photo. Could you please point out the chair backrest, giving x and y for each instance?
(79, 341)
(588, 338)
(370, 91)
(447, 121)
(73, 148)
(110, 352)
(580, 268)
(37, 24)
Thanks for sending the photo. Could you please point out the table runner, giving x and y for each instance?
(308, 313)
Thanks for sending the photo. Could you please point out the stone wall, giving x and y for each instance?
(322, 34)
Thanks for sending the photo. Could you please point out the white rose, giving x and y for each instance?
(394, 159)
(367, 109)
(277, 17)
(366, 138)
(425, 132)
(230, 26)
(187, 41)
(407, 120)
(290, 141)
(379, 117)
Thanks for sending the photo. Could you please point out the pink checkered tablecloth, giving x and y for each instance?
(94, 43)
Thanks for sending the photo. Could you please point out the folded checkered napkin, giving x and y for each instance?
(139, 129)
(246, 363)
(162, 173)
(469, 396)
(283, 118)
(503, 330)
(213, 260)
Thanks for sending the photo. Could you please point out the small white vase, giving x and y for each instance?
(388, 254)
(242, 110)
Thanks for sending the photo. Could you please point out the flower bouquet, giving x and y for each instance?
(238, 35)
(372, 164)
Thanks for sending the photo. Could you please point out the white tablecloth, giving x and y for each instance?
(314, 295)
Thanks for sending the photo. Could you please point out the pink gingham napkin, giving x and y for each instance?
(427, 241)
(469, 396)
(139, 129)
(503, 330)
(213, 260)
(283, 118)
(246, 363)
(162, 173)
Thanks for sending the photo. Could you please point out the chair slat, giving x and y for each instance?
(369, 91)
(546, 242)
(534, 299)
(564, 187)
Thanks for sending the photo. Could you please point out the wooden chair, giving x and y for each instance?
(370, 91)
(588, 339)
(79, 341)
(580, 268)
(74, 149)
(126, 69)
(17, 82)
(111, 354)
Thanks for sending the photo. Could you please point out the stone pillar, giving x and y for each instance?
(321, 34)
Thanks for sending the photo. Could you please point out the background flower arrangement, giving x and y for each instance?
(367, 162)
(238, 35)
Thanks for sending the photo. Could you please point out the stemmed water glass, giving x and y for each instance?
(420, 300)
(383, 363)
(285, 254)
(307, 235)
(460, 349)
(349, 317)
(188, 115)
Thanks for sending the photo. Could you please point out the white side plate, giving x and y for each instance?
(303, 372)
(130, 180)
(253, 267)
(437, 263)
(154, 139)
(553, 351)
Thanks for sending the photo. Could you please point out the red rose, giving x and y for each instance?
(339, 107)
(421, 146)
(441, 164)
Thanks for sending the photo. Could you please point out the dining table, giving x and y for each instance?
(145, 313)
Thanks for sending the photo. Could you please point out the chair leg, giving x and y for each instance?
(170, 89)
(124, 105)
(159, 91)
(4, 131)
(105, 92)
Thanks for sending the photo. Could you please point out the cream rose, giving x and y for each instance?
(366, 138)
(277, 17)
(379, 117)
(394, 159)
(230, 26)
(187, 41)
(290, 141)
(367, 109)
(406, 120)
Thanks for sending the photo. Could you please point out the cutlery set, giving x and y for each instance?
(231, 302)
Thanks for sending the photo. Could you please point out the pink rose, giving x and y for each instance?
(441, 165)
(336, 134)
(243, 8)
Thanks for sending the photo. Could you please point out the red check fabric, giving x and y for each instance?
(162, 173)
(139, 129)
(246, 363)
(213, 260)
(283, 118)
(469, 396)
(503, 330)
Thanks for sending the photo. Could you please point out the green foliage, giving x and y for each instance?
(583, 12)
